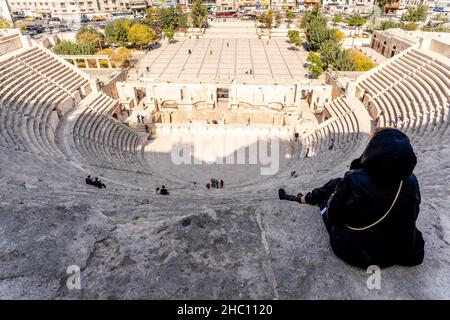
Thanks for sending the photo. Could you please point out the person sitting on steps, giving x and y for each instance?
(89, 180)
(164, 191)
(98, 183)
(370, 213)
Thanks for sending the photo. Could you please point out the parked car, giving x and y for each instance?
(85, 20)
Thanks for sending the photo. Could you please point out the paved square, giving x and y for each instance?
(225, 59)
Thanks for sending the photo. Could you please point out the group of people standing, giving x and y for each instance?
(215, 184)
(140, 118)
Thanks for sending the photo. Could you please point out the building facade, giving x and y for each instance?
(348, 6)
(4, 10)
(392, 41)
(69, 10)
(283, 5)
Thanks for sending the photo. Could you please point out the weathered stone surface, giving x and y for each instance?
(263, 249)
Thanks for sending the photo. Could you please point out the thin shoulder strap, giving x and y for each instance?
(385, 215)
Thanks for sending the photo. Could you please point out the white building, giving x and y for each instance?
(4, 10)
(70, 9)
(283, 4)
(348, 6)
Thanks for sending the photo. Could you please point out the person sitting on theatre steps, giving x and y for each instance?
(98, 183)
(89, 180)
(370, 213)
(164, 191)
(157, 190)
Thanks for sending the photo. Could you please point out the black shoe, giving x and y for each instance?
(284, 196)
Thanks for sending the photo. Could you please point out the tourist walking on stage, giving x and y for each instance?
(221, 183)
(138, 118)
(189, 51)
(331, 145)
(146, 128)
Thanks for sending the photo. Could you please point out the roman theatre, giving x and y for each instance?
(212, 102)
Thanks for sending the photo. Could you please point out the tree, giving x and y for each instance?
(21, 26)
(166, 18)
(356, 21)
(317, 32)
(116, 32)
(383, 3)
(314, 13)
(71, 48)
(411, 26)
(169, 34)
(277, 19)
(340, 36)
(5, 24)
(316, 66)
(315, 70)
(290, 16)
(182, 18)
(141, 35)
(416, 14)
(151, 19)
(90, 36)
(391, 25)
(119, 57)
(266, 19)
(199, 13)
(337, 19)
(162, 18)
(294, 37)
(336, 58)
(441, 28)
(363, 62)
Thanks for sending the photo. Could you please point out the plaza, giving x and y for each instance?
(252, 60)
